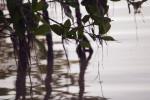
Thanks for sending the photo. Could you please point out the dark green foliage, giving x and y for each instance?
(84, 44)
(67, 25)
(31, 17)
(85, 18)
(72, 3)
(114, 0)
(38, 6)
(1, 17)
(42, 30)
(57, 29)
(72, 34)
(87, 2)
(27, 18)
(108, 38)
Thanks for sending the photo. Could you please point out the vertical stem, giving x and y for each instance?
(49, 67)
(82, 56)
(21, 71)
(23, 58)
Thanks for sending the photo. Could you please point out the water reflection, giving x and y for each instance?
(48, 83)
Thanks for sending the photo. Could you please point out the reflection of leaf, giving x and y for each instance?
(4, 91)
(41, 45)
(74, 61)
(38, 90)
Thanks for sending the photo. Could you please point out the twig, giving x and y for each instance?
(64, 25)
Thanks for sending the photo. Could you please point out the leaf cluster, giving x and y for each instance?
(27, 18)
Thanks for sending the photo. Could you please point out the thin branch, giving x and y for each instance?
(64, 25)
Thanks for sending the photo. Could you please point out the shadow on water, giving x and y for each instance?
(48, 83)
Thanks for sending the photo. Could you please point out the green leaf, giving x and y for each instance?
(80, 32)
(91, 9)
(67, 23)
(98, 20)
(74, 4)
(86, 2)
(35, 22)
(72, 34)
(39, 6)
(85, 18)
(103, 29)
(1, 17)
(44, 21)
(105, 9)
(34, 3)
(40, 45)
(84, 44)
(41, 19)
(103, 23)
(11, 5)
(108, 38)
(42, 30)
(56, 29)
(114, 0)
